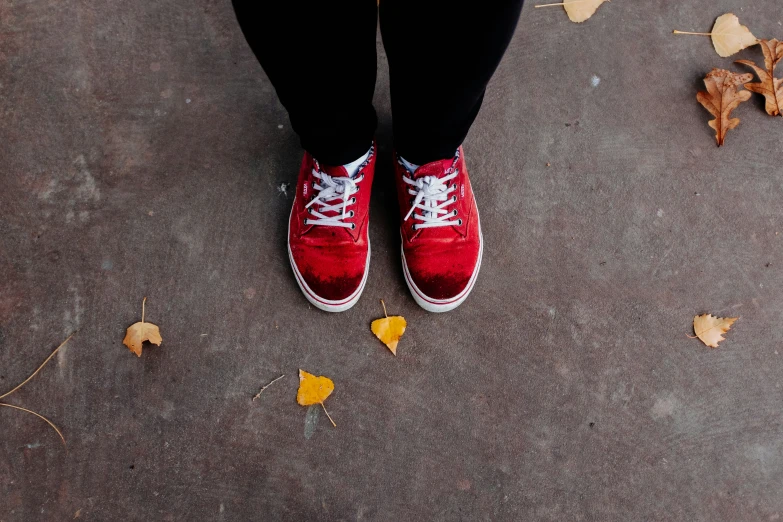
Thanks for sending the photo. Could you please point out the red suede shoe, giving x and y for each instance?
(441, 233)
(328, 242)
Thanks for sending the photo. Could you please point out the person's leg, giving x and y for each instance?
(320, 57)
(440, 61)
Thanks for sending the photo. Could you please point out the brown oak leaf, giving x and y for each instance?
(722, 97)
(770, 87)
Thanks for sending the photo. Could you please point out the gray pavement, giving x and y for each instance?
(142, 154)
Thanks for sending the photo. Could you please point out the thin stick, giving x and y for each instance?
(327, 414)
(142, 309)
(39, 416)
(267, 386)
(39, 368)
(686, 32)
(561, 3)
(384, 308)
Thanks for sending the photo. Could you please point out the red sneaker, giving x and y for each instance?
(328, 243)
(441, 233)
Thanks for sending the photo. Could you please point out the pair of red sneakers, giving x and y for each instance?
(329, 244)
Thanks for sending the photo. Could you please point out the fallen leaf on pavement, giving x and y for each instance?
(139, 332)
(389, 329)
(710, 329)
(578, 10)
(314, 390)
(770, 87)
(728, 36)
(722, 97)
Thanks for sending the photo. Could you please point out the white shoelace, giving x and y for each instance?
(333, 195)
(431, 196)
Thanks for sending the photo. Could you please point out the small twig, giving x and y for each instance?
(6, 394)
(327, 414)
(384, 308)
(142, 309)
(267, 386)
(39, 416)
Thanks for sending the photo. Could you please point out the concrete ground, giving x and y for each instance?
(143, 153)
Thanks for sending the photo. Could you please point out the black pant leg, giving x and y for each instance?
(441, 57)
(320, 57)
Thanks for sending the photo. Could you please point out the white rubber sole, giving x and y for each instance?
(317, 301)
(443, 305)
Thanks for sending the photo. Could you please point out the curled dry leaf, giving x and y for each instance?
(729, 37)
(722, 97)
(389, 329)
(770, 87)
(314, 390)
(710, 329)
(139, 332)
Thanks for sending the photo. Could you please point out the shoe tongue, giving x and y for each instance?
(335, 172)
(436, 168)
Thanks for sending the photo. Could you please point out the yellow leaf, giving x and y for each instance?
(580, 10)
(139, 332)
(729, 37)
(314, 390)
(710, 329)
(389, 329)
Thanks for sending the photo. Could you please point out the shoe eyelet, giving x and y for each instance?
(455, 211)
(353, 200)
(459, 222)
(352, 214)
(305, 221)
(454, 198)
(413, 227)
(353, 226)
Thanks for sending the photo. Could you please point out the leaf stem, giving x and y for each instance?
(39, 368)
(687, 32)
(384, 308)
(142, 309)
(39, 416)
(327, 414)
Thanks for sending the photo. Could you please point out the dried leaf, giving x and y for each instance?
(770, 87)
(710, 329)
(722, 97)
(139, 332)
(580, 10)
(389, 329)
(314, 390)
(729, 37)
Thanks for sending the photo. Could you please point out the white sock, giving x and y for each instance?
(408, 165)
(353, 167)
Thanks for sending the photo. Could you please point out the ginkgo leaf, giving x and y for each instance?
(139, 332)
(721, 98)
(710, 329)
(728, 36)
(770, 87)
(314, 390)
(580, 10)
(389, 329)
